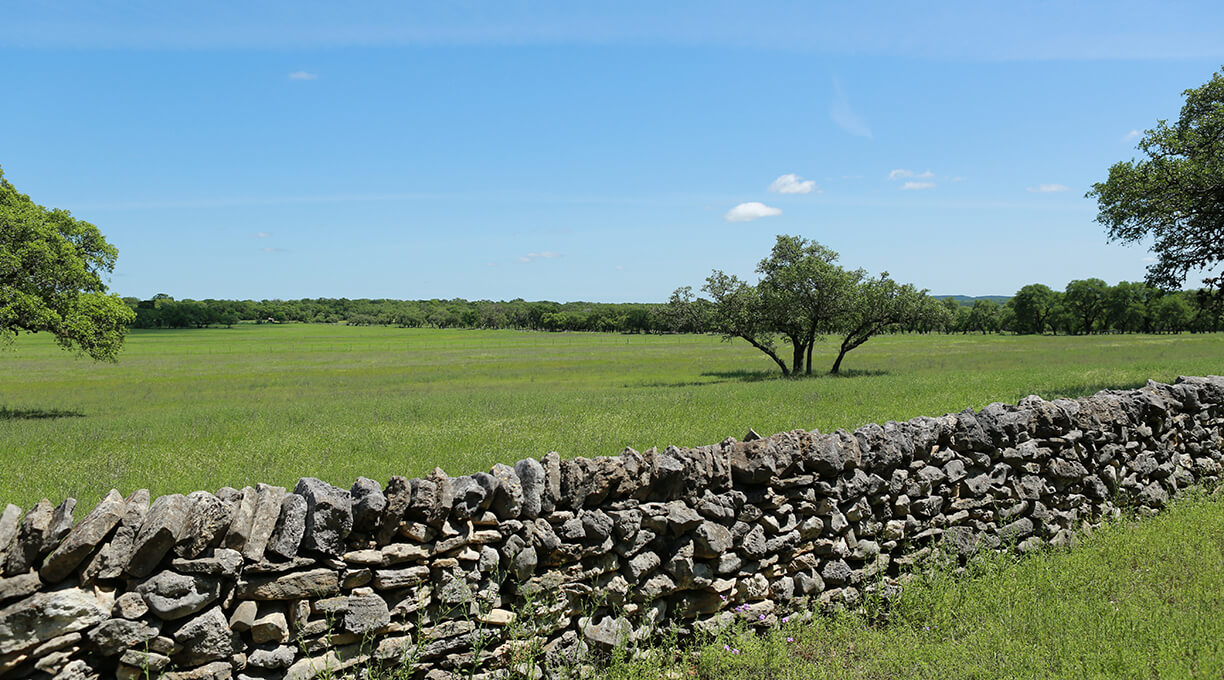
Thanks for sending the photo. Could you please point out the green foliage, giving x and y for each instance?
(51, 268)
(1175, 195)
(202, 409)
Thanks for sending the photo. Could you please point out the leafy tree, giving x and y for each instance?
(1085, 300)
(805, 291)
(1032, 306)
(874, 306)
(739, 312)
(1176, 194)
(51, 269)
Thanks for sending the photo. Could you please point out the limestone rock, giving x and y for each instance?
(267, 510)
(19, 586)
(82, 539)
(158, 534)
(217, 670)
(110, 561)
(271, 627)
(26, 547)
(129, 605)
(205, 638)
(208, 518)
(47, 615)
(271, 659)
(368, 504)
(399, 498)
(292, 586)
(114, 636)
(173, 596)
(10, 522)
(711, 540)
(290, 527)
(243, 518)
(531, 477)
(329, 516)
(224, 562)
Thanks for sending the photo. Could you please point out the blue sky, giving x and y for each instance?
(609, 151)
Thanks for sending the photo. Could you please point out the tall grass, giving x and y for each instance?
(192, 409)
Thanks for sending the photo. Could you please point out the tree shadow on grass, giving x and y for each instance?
(746, 376)
(7, 413)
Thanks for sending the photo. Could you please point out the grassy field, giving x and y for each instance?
(201, 409)
(1134, 600)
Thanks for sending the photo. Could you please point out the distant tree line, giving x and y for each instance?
(1087, 306)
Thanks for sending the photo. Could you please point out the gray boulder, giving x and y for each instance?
(243, 518)
(290, 527)
(114, 636)
(158, 534)
(110, 561)
(207, 521)
(531, 477)
(82, 539)
(43, 616)
(173, 596)
(205, 638)
(368, 504)
(329, 515)
(268, 501)
(24, 552)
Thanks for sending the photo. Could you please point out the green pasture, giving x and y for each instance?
(201, 409)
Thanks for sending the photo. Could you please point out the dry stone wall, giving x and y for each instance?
(554, 559)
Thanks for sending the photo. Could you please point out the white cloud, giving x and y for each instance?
(274, 250)
(1131, 136)
(844, 116)
(545, 255)
(303, 75)
(262, 234)
(1046, 188)
(913, 186)
(793, 184)
(746, 212)
(905, 174)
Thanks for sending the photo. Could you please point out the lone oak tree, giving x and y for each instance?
(1176, 194)
(51, 268)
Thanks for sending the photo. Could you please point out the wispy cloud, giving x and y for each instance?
(914, 186)
(902, 173)
(1131, 136)
(844, 115)
(1046, 188)
(262, 234)
(752, 210)
(545, 255)
(303, 75)
(793, 184)
(274, 250)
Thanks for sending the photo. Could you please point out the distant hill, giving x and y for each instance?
(969, 299)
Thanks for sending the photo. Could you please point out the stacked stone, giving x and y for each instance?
(573, 557)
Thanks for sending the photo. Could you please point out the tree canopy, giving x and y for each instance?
(1175, 195)
(51, 269)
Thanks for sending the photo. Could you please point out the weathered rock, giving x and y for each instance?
(711, 540)
(207, 520)
(243, 518)
(368, 504)
(19, 586)
(507, 501)
(47, 615)
(268, 501)
(270, 627)
(158, 534)
(144, 660)
(293, 586)
(114, 636)
(130, 605)
(271, 659)
(399, 498)
(27, 546)
(61, 524)
(606, 634)
(224, 562)
(173, 596)
(391, 579)
(531, 477)
(290, 527)
(10, 522)
(329, 516)
(111, 559)
(205, 638)
(82, 539)
(217, 670)
(365, 613)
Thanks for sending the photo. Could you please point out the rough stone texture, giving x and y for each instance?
(290, 527)
(207, 521)
(205, 638)
(329, 515)
(597, 553)
(172, 596)
(158, 534)
(82, 539)
(48, 615)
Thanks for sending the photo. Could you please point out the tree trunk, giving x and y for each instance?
(837, 364)
(797, 358)
(770, 353)
(808, 367)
